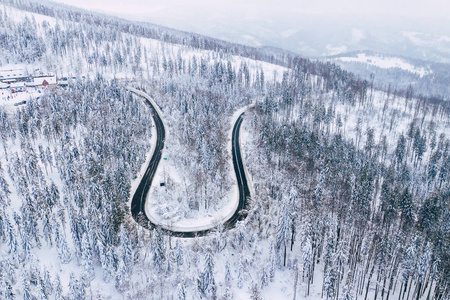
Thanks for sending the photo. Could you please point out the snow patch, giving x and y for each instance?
(334, 50)
(386, 63)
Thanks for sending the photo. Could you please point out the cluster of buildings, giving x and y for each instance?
(17, 80)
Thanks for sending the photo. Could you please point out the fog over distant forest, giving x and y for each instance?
(311, 29)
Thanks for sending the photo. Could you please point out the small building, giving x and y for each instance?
(63, 82)
(31, 85)
(13, 73)
(18, 87)
(4, 86)
(44, 81)
(41, 82)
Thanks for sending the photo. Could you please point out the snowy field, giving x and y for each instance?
(10, 101)
(386, 62)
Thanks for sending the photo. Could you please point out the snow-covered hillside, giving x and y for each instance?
(400, 72)
(386, 63)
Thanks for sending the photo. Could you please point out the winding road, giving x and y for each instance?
(140, 195)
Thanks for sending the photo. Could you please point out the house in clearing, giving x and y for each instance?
(42, 81)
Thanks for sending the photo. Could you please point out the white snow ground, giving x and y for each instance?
(386, 62)
(10, 101)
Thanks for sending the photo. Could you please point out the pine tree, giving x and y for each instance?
(272, 261)
(42, 291)
(106, 260)
(87, 262)
(10, 236)
(58, 288)
(47, 229)
(47, 283)
(206, 283)
(228, 294)
(406, 208)
(158, 249)
(422, 267)
(26, 286)
(346, 294)
(63, 249)
(256, 294)
(284, 232)
(8, 270)
(330, 282)
(122, 277)
(4, 189)
(330, 272)
(227, 274)
(74, 290)
(127, 255)
(264, 280)
(8, 293)
(181, 292)
(408, 266)
(307, 263)
(400, 150)
(240, 278)
(428, 217)
(179, 254)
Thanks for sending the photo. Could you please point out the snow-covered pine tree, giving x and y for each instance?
(264, 278)
(122, 277)
(87, 261)
(240, 277)
(256, 293)
(206, 282)
(74, 289)
(58, 292)
(63, 249)
(284, 231)
(158, 249)
(179, 254)
(307, 263)
(127, 254)
(47, 283)
(228, 277)
(181, 295)
(26, 293)
(272, 260)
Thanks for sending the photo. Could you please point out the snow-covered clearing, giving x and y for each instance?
(20, 15)
(11, 101)
(386, 62)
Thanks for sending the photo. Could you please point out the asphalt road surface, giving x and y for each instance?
(140, 195)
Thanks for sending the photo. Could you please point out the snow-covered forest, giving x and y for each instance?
(350, 184)
(426, 78)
